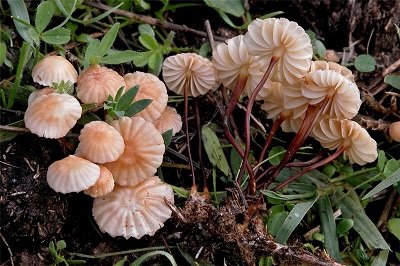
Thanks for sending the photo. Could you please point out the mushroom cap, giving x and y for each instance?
(103, 185)
(72, 174)
(96, 83)
(35, 94)
(134, 211)
(52, 115)
(100, 143)
(284, 40)
(54, 69)
(152, 88)
(360, 148)
(232, 63)
(394, 131)
(191, 69)
(169, 119)
(344, 95)
(323, 65)
(143, 153)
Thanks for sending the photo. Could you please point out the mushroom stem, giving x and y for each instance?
(312, 114)
(252, 181)
(199, 143)
(329, 159)
(235, 96)
(274, 128)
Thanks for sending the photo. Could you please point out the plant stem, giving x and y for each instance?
(235, 96)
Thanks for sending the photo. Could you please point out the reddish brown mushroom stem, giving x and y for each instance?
(235, 96)
(329, 159)
(252, 181)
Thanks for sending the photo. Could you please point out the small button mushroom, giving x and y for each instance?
(54, 69)
(169, 119)
(394, 131)
(103, 185)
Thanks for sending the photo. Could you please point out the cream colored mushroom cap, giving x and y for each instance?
(232, 63)
(143, 153)
(344, 96)
(37, 93)
(169, 119)
(323, 65)
(134, 211)
(52, 115)
(72, 174)
(96, 83)
(191, 69)
(152, 88)
(103, 185)
(394, 131)
(360, 148)
(283, 39)
(100, 143)
(54, 69)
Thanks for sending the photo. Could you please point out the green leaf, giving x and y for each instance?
(84, 38)
(34, 36)
(362, 224)
(328, 227)
(127, 98)
(329, 170)
(3, 52)
(167, 136)
(146, 29)
(275, 222)
(19, 11)
(155, 63)
(142, 58)
(292, 221)
(44, 13)
(232, 7)
(381, 259)
(61, 245)
(87, 118)
(121, 262)
(119, 57)
(137, 107)
(381, 160)
(8, 135)
(393, 80)
(56, 36)
(319, 49)
(91, 52)
(284, 197)
(148, 41)
(236, 161)
(276, 154)
(391, 166)
(387, 182)
(365, 63)
(146, 256)
(393, 226)
(214, 150)
(108, 40)
(344, 226)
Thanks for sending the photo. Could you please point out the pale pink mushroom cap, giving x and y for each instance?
(72, 174)
(344, 96)
(54, 69)
(232, 62)
(103, 185)
(152, 88)
(394, 131)
(52, 115)
(96, 83)
(323, 65)
(134, 211)
(169, 119)
(143, 153)
(100, 143)
(191, 70)
(360, 148)
(37, 93)
(283, 39)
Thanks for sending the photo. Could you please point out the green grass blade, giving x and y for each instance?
(381, 259)
(146, 256)
(293, 220)
(387, 182)
(19, 10)
(108, 40)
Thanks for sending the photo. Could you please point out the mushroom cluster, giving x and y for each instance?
(114, 162)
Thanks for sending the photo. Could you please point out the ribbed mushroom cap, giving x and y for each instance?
(52, 115)
(96, 83)
(232, 62)
(100, 143)
(394, 131)
(35, 94)
(323, 65)
(344, 95)
(134, 211)
(169, 119)
(72, 174)
(54, 69)
(283, 39)
(103, 185)
(143, 153)
(152, 88)
(192, 70)
(292, 123)
(360, 148)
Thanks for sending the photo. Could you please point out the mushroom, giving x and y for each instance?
(394, 131)
(103, 185)
(52, 115)
(72, 174)
(37, 93)
(150, 87)
(96, 83)
(100, 143)
(134, 211)
(143, 153)
(323, 65)
(54, 69)
(169, 119)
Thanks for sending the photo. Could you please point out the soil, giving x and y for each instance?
(32, 214)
